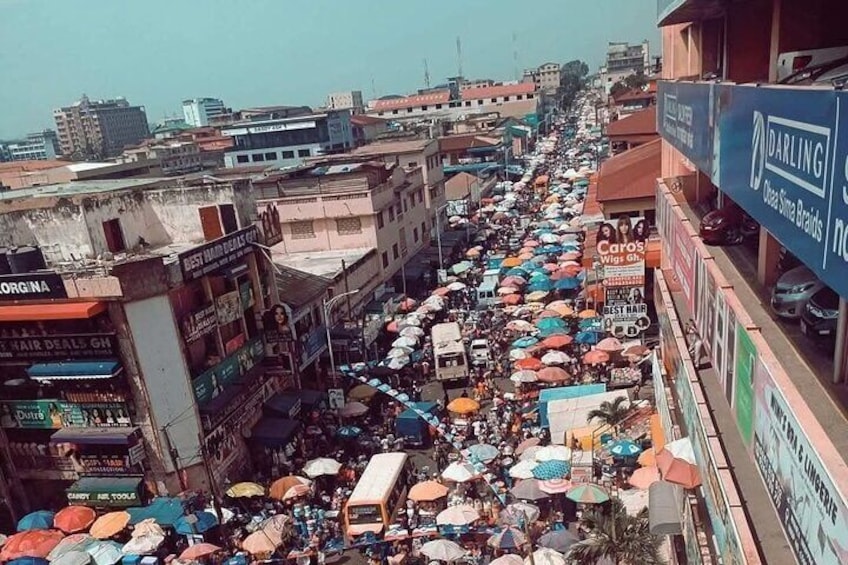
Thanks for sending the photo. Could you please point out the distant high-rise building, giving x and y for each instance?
(99, 129)
(38, 146)
(198, 112)
(624, 60)
(349, 100)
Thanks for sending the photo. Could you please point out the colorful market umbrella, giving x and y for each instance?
(528, 489)
(520, 326)
(38, 520)
(647, 458)
(610, 345)
(459, 515)
(524, 376)
(519, 514)
(105, 552)
(281, 486)
(567, 284)
(245, 490)
(443, 550)
(109, 524)
(550, 332)
(198, 551)
(523, 469)
(526, 444)
(587, 338)
(528, 364)
(525, 342)
(555, 486)
(588, 493)
(507, 559)
(143, 545)
(30, 543)
(74, 542)
(557, 341)
(427, 491)
(484, 452)
(28, 561)
(553, 375)
(586, 314)
(545, 556)
(361, 392)
(353, 410)
(508, 538)
(73, 557)
(547, 470)
(463, 405)
(164, 510)
(148, 527)
(460, 472)
(559, 540)
(643, 477)
(550, 322)
(196, 523)
(637, 350)
(625, 448)
(74, 518)
(461, 267)
(555, 357)
(595, 357)
(322, 466)
(512, 299)
(537, 296)
(296, 492)
(349, 432)
(258, 543)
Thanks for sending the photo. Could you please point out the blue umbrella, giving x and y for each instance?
(625, 448)
(28, 561)
(549, 470)
(548, 332)
(516, 272)
(529, 266)
(402, 397)
(375, 382)
(590, 324)
(544, 323)
(525, 342)
(540, 285)
(164, 510)
(39, 520)
(587, 338)
(195, 523)
(384, 387)
(348, 432)
(483, 451)
(567, 284)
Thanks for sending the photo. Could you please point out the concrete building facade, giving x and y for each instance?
(98, 129)
(198, 112)
(348, 100)
(623, 60)
(174, 157)
(39, 146)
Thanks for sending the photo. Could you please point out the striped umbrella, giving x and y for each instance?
(508, 538)
(625, 448)
(548, 470)
(588, 494)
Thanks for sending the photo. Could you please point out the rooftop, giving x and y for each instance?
(326, 264)
(634, 95)
(365, 120)
(643, 122)
(498, 90)
(632, 174)
(392, 147)
(459, 185)
(30, 166)
(78, 188)
(300, 288)
(463, 142)
(441, 97)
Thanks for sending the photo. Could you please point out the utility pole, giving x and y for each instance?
(458, 56)
(426, 75)
(213, 486)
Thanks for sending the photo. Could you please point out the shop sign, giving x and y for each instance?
(685, 114)
(272, 230)
(683, 259)
(336, 398)
(315, 341)
(784, 159)
(278, 324)
(743, 396)
(208, 384)
(129, 498)
(137, 454)
(246, 293)
(32, 286)
(809, 506)
(105, 464)
(56, 414)
(58, 347)
(228, 307)
(217, 254)
(199, 323)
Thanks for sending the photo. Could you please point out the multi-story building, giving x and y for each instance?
(174, 157)
(131, 340)
(367, 128)
(759, 166)
(37, 146)
(546, 77)
(198, 112)
(624, 60)
(288, 140)
(98, 129)
(348, 100)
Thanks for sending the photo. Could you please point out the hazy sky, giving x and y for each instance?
(263, 52)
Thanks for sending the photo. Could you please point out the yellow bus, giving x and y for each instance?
(378, 496)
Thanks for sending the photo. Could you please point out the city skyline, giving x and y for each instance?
(165, 53)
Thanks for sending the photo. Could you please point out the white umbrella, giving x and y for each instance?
(411, 320)
(548, 238)
(396, 363)
(526, 511)
(322, 466)
(682, 449)
(412, 331)
(435, 301)
(523, 469)
(524, 376)
(73, 557)
(405, 341)
(105, 553)
(226, 513)
(555, 358)
(460, 472)
(508, 559)
(399, 352)
(517, 354)
(443, 550)
(353, 409)
(456, 285)
(545, 556)
(553, 453)
(530, 453)
(143, 545)
(459, 515)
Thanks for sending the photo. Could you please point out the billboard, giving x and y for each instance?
(684, 112)
(743, 394)
(811, 510)
(621, 251)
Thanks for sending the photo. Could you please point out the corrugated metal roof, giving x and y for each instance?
(299, 288)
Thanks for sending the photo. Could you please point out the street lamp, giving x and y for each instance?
(596, 268)
(328, 304)
(439, 234)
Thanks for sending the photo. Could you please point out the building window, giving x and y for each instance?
(288, 154)
(411, 164)
(271, 156)
(423, 228)
(420, 195)
(506, 99)
(395, 253)
(415, 235)
(480, 102)
(242, 159)
(391, 213)
(394, 112)
(114, 236)
(423, 108)
(494, 100)
(304, 152)
(398, 209)
(385, 259)
(348, 226)
(302, 230)
(519, 97)
(468, 102)
(438, 106)
(381, 113)
(529, 96)
(405, 207)
(409, 110)
(257, 157)
(380, 221)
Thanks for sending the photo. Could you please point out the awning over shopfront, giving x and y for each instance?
(55, 311)
(106, 491)
(283, 406)
(664, 500)
(72, 370)
(95, 436)
(274, 432)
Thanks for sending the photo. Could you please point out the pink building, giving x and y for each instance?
(365, 205)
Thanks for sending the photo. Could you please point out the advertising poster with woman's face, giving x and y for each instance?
(624, 230)
(277, 322)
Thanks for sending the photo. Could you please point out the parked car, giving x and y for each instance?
(821, 314)
(729, 225)
(480, 352)
(794, 63)
(792, 292)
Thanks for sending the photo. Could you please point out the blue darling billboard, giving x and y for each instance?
(684, 119)
(784, 159)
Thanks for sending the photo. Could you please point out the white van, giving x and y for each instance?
(487, 292)
(479, 352)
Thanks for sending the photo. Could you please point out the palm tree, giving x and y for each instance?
(612, 413)
(617, 537)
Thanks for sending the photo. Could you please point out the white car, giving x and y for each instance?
(479, 350)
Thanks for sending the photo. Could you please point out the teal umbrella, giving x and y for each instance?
(39, 520)
(461, 267)
(588, 494)
(547, 323)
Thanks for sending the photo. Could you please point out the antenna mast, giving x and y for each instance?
(459, 56)
(515, 55)
(373, 89)
(426, 74)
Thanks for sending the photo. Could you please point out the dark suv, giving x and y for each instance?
(821, 314)
(727, 226)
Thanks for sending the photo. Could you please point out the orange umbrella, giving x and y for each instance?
(562, 309)
(296, 491)
(428, 491)
(31, 543)
(281, 486)
(199, 550)
(463, 405)
(636, 350)
(553, 375)
(647, 458)
(530, 364)
(557, 341)
(512, 299)
(511, 262)
(644, 477)
(596, 357)
(610, 345)
(526, 255)
(586, 314)
(549, 313)
(74, 519)
(678, 471)
(109, 524)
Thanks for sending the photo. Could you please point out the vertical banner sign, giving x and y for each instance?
(621, 249)
(809, 506)
(743, 397)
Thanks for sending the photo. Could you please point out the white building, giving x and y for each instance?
(624, 60)
(348, 100)
(39, 146)
(198, 111)
(288, 141)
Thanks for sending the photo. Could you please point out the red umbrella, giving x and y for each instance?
(610, 345)
(553, 375)
(557, 341)
(32, 543)
(550, 267)
(199, 550)
(636, 350)
(512, 299)
(570, 256)
(74, 519)
(530, 364)
(596, 357)
(549, 314)
(513, 281)
(392, 327)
